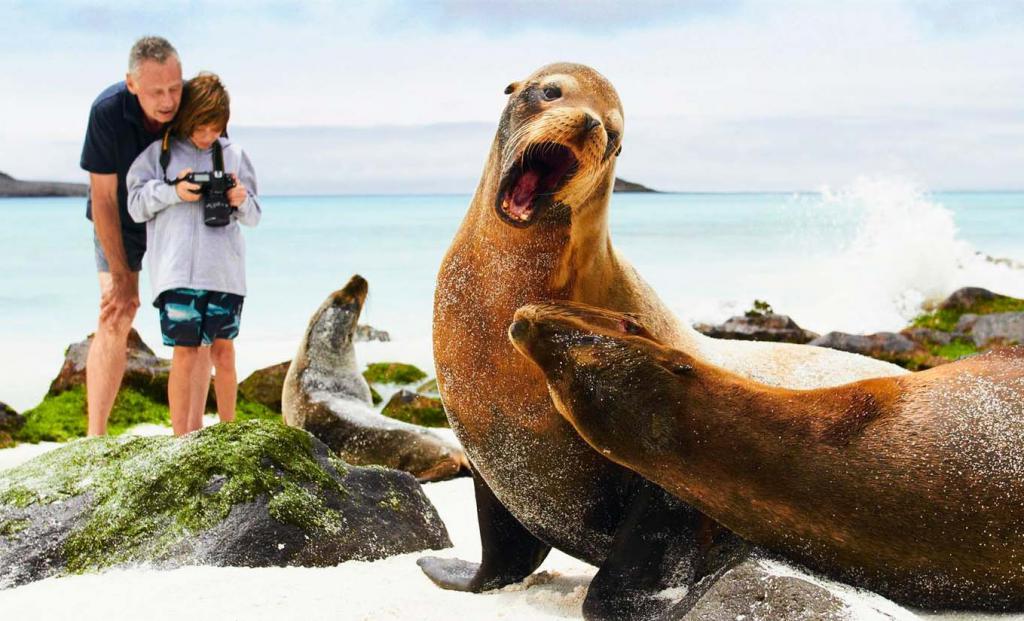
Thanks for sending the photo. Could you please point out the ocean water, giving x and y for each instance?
(859, 258)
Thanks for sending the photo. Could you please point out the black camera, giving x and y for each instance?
(214, 186)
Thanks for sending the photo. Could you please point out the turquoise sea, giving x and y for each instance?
(860, 258)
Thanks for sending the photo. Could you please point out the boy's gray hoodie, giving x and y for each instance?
(181, 251)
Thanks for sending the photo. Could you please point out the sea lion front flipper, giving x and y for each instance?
(510, 552)
(661, 544)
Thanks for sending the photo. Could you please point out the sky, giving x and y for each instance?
(404, 95)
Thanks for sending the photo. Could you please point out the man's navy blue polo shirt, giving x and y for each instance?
(115, 137)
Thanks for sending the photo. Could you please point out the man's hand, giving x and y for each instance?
(122, 298)
(237, 194)
(188, 192)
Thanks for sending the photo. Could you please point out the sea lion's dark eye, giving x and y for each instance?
(630, 327)
(551, 93)
(682, 369)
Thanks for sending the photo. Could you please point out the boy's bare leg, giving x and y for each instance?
(225, 382)
(105, 364)
(200, 389)
(179, 387)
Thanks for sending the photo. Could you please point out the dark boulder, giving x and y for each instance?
(759, 327)
(415, 408)
(369, 333)
(968, 298)
(144, 371)
(10, 423)
(253, 494)
(993, 329)
(264, 385)
(887, 346)
(752, 592)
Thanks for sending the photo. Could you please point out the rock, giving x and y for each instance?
(64, 416)
(417, 409)
(428, 387)
(251, 494)
(264, 385)
(967, 298)
(927, 336)
(10, 423)
(145, 371)
(993, 329)
(392, 373)
(759, 327)
(967, 301)
(752, 592)
(887, 346)
(369, 333)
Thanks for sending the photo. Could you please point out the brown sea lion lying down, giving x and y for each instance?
(911, 486)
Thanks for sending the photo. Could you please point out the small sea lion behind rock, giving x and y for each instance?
(909, 486)
(325, 394)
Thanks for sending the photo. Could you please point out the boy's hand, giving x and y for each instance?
(237, 194)
(188, 192)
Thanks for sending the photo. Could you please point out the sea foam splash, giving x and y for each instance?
(867, 257)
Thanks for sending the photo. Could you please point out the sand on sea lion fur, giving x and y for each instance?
(910, 486)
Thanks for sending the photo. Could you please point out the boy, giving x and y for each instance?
(197, 271)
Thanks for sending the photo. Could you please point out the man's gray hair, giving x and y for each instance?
(157, 49)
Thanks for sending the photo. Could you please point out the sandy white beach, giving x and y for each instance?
(388, 589)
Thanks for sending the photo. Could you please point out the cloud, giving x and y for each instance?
(841, 86)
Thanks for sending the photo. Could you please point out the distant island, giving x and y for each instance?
(9, 187)
(621, 185)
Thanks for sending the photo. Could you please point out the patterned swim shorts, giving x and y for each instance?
(193, 317)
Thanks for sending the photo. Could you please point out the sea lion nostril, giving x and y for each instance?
(590, 123)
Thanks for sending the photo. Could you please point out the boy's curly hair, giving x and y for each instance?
(205, 101)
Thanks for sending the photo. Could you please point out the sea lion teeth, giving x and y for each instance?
(537, 482)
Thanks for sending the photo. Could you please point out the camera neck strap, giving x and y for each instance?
(165, 157)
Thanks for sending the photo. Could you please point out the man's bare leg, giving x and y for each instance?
(105, 364)
(200, 389)
(225, 383)
(179, 387)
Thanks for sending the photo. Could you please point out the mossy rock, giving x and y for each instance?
(392, 373)
(970, 300)
(64, 417)
(416, 409)
(264, 386)
(428, 387)
(254, 493)
(375, 396)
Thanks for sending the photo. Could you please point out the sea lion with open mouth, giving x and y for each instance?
(909, 486)
(537, 229)
(325, 394)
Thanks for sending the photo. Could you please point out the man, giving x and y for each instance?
(125, 119)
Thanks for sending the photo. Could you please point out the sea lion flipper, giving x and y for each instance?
(660, 545)
(510, 552)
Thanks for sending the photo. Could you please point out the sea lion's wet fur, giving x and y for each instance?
(496, 401)
(910, 486)
(325, 394)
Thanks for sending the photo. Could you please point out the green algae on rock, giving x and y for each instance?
(253, 493)
(63, 417)
(392, 373)
(970, 300)
(416, 409)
